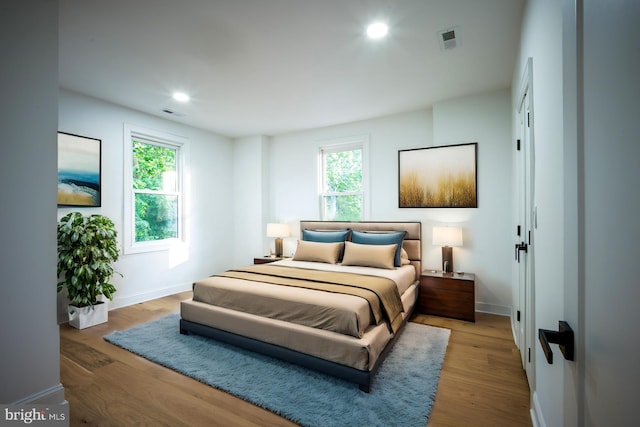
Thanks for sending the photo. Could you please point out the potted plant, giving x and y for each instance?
(87, 248)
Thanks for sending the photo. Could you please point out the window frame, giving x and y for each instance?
(337, 145)
(162, 139)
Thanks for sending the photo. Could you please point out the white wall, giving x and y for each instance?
(209, 202)
(481, 118)
(541, 39)
(294, 183)
(29, 358)
(487, 230)
(611, 202)
(250, 198)
(294, 159)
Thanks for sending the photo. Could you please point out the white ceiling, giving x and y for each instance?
(266, 67)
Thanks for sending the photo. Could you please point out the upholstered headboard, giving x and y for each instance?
(412, 241)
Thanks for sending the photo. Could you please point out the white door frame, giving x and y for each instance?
(573, 182)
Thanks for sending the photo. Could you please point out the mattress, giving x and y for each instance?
(359, 353)
(340, 313)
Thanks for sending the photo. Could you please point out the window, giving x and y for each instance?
(154, 167)
(342, 180)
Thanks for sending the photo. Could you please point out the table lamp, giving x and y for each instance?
(278, 231)
(447, 237)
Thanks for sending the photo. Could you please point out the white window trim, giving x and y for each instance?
(343, 144)
(161, 138)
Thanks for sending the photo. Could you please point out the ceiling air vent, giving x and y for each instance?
(449, 38)
(172, 112)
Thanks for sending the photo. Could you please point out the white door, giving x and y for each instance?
(523, 255)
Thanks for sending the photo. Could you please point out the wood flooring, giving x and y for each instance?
(482, 381)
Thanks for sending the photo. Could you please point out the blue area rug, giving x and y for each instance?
(402, 392)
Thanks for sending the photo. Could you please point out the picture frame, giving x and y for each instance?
(79, 170)
(438, 177)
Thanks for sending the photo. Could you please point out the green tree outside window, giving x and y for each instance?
(342, 198)
(155, 188)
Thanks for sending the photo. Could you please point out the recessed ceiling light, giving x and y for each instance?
(181, 97)
(377, 30)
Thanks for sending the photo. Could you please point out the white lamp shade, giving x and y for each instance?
(447, 236)
(278, 230)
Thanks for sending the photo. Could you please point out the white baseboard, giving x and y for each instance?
(500, 310)
(147, 296)
(52, 395)
(514, 333)
(537, 420)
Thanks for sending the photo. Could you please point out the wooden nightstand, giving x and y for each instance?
(265, 259)
(448, 294)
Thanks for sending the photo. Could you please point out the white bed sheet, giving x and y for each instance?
(404, 276)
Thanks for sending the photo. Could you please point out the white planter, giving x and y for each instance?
(84, 317)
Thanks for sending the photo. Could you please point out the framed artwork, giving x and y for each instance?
(438, 177)
(79, 170)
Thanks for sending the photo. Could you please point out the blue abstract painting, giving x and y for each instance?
(79, 167)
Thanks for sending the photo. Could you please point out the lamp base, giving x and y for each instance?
(447, 259)
(278, 244)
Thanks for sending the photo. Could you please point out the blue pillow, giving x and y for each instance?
(381, 239)
(325, 236)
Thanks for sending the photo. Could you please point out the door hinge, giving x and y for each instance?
(518, 145)
(518, 315)
(529, 355)
(528, 120)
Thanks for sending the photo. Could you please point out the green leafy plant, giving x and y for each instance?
(87, 248)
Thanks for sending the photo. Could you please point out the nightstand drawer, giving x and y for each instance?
(448, 283)
(458, 305)
(448, 295)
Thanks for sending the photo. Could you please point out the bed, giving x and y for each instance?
(336, 306)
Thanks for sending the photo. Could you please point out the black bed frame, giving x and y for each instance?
(362, 378)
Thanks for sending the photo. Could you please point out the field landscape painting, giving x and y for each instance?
(438, 177)
(78, 170)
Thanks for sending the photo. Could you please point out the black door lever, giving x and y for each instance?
(564, 338)
(522, 246)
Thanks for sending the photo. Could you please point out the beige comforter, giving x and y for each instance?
(257, 290)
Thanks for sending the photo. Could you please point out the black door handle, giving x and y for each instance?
(522, 246)
(564, 338)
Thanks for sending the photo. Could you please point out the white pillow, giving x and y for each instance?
(378, 256)
(318, 251)
(404, 257)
